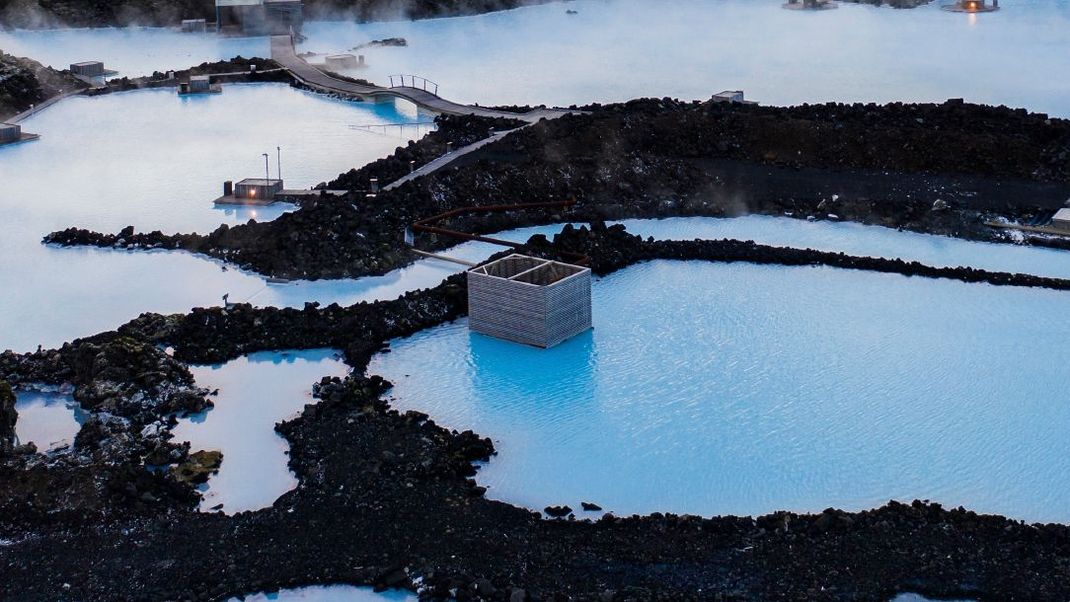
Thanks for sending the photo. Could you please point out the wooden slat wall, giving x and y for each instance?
(542, 316)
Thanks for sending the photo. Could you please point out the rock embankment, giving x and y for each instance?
(25, 82)
(942, 169)
(8, 417)
(236, 70)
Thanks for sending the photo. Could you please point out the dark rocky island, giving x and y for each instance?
(942, 169)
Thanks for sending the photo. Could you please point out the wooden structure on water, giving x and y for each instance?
(529, 300)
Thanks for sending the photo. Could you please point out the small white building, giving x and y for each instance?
(731, 96)
(257, 190)
(529, 300)
(1061, 221)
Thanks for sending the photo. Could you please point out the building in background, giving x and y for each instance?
(259, 17)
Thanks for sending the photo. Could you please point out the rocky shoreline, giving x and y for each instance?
(392, 495)
(36, 14)
(25, 82)
(939, 169)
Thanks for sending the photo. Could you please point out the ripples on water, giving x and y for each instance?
(740, 389)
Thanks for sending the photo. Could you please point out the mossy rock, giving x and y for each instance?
(199, 466)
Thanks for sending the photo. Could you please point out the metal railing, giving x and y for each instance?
(413, 81)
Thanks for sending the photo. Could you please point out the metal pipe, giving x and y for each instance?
(424, 225)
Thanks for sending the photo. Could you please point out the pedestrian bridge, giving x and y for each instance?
(416, 90)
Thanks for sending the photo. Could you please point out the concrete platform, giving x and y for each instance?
(26, 137)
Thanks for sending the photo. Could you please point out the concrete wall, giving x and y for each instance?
(10, 133)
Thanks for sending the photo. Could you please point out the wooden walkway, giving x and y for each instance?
(283, 53)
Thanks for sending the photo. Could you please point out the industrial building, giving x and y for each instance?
(529, 300)
(259, 17)
(10, 132)
(88, 69)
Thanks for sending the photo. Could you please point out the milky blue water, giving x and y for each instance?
(738, 389)
(48, 420)
(615, 50)
(132, 51)
(620, 49)
(155, 161)
(332, 593)
(255, 392)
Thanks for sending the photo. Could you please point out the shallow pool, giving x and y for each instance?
(48, 420)
(255, 392)
(739, 389)
(615, 50)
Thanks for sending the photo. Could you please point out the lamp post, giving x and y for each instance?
(267, 173)
(279, 149)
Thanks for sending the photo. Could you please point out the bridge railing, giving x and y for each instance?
(413, 81)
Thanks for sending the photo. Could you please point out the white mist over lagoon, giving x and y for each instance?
(616, 50)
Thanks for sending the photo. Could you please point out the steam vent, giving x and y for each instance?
(529, 300)
(973, 6)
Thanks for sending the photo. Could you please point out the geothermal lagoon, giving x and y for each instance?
(714, 389)
(704, 388)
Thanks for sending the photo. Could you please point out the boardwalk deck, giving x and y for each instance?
(283, 53)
